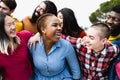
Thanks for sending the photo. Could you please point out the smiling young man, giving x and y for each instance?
(113, 21)
(95, 52)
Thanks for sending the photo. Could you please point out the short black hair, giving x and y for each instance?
(10, 3)
(116, 8)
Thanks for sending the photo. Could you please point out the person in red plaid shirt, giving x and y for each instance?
(95, 52)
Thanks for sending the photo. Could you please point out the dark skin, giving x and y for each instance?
(113, 21)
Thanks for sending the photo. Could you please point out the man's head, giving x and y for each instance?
(44, 7)
(97, 36)
(113, 20)
(7, 6)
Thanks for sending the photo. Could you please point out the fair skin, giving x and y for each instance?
(4, 8)
(40, 9)
(113, 20)
(51, 32)
(10, 30)
(10, 27)
(93, 41)
(60, 17)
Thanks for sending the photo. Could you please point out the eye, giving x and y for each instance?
(10, 24)
(113, 18)
(55, 25)
(91, 37)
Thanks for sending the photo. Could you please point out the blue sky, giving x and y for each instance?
(82, 8)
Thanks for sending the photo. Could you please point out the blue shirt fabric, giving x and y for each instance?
(54, 66)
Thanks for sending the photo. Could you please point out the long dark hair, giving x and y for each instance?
(70, 25)
(3, 35)
(4, 39)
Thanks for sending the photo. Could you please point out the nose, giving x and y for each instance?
(59, 27)
(13, 26)
(110, 20)
(86, 39)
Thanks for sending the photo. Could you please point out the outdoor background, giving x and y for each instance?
(82, 8)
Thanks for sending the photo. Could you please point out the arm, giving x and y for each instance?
(76, 42)
(73, 62)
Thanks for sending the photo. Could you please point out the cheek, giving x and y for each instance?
(6, 30)
(93, 42)
(61, 20)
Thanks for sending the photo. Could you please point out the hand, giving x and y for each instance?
(84, 40)
(33, 40)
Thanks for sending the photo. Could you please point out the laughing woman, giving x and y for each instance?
(14, 60)
(54, 58)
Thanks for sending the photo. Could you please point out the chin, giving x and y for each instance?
(57, 39)
(88, 47)
(12, 36)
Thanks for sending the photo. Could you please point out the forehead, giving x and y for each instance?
(42, 5)
(8, 19)
(2, 4)
(59, 14)
(52, 19)
(93, 32)
(114, 14)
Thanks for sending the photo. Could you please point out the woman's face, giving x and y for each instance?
(52, 30)
(60, 17)
(10, 27)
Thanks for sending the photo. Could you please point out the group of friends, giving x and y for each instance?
(50, 45)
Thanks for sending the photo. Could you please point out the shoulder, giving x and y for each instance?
(24, 33)
(112, 47)
(64, 42)
(117, 42)
(26, 19)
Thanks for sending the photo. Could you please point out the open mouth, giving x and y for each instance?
(58, 34)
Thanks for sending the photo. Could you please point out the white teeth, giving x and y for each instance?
(58, 34)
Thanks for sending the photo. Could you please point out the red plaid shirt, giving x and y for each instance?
(94, 65)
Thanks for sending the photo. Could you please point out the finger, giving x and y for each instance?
(34, 45)
(30, 45)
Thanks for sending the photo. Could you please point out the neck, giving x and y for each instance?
(99, 49)
(48, 46)
(12, 44)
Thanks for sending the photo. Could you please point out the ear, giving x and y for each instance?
(43, 31)
(104, 40)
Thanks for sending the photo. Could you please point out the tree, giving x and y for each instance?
(100, 14)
